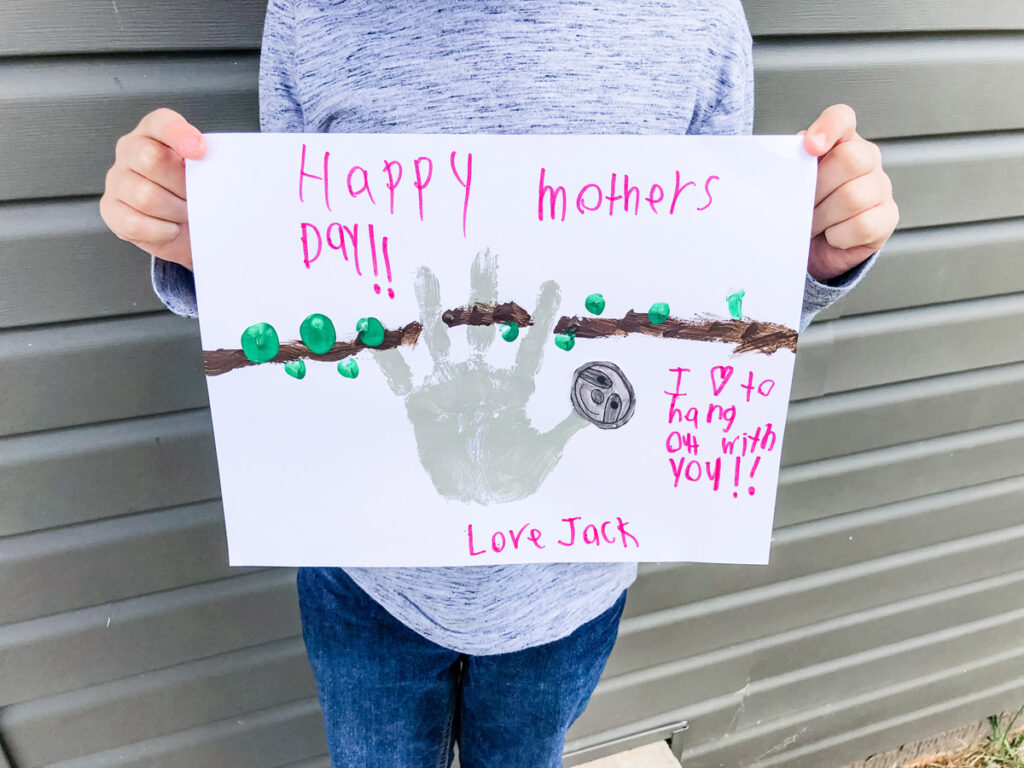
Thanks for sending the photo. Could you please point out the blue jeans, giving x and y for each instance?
(393, 699)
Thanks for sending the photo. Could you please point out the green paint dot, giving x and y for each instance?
(371, 331)
(735, 301)
(510, 331)
(658, 313)
(318, 334)
(348, 368)
(595, 303)
(296, 369)
(260, 342)
(566, 341)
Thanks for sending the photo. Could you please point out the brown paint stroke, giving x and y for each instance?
(218, 361)
(487, 314)
(747, 335)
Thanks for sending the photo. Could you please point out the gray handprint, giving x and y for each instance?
(472, 432)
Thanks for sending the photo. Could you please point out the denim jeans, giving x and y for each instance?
(393, 699)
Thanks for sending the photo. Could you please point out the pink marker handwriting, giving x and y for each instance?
(710, 440)
(570, 532)
(622, 194)
(386, 183)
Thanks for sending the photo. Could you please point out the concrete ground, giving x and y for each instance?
(656, 755)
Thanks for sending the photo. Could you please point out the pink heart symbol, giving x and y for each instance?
(720, 376)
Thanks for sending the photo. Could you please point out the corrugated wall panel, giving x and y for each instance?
(98, 26)
(938, 265)
(144, 707)
(263, 739)
(45, 103)
(105, 470)
(814, 17)
(903, 87)
(71, 650)
(68, 568)
(60, 262)
(127, 640)
(63, 375)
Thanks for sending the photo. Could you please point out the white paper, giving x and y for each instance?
(479, 456)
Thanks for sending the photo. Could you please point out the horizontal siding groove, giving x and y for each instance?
(906, 344)
(62, 375)
(69, 568)
(935, 265)
(66, 477)
(891, 414)
(87, 26)
(43, 442)
(903, 728)
(826, 544)
(821, 579)
(756, 746)
(777, 674)
(878, 50)
(752, 728)
(908, 86)
(94, 74)
(840, 484)
(60, 114)
(263, 739)
(773, 648)
(61, 263)
(815, 18)
(61, 653)
(143, 707)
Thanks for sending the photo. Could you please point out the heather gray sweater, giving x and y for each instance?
(527, 66)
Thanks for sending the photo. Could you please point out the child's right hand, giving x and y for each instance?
(144, 198)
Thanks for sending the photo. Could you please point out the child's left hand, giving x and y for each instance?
(854, 211)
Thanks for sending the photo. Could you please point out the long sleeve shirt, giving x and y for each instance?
(527, 66)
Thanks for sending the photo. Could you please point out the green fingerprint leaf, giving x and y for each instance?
(371, 331)
(735, 301)
(658, 313)
(348, 368)
(566, 341)
(260, 343)
(595, 303)
(296, 369)
(318, 334)
(510, 331)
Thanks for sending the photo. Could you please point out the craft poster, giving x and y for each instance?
(427, 350)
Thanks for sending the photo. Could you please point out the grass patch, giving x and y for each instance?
(1004, 749)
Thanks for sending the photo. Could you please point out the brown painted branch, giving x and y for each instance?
(487, 314)
(747, 335)
(218, 361)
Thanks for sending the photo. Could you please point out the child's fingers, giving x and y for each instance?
(869, 229)
(849, 160)
(170, 128)
(850, 199)
(153, 160)
(146, 196)
(147, 232)
(835, 125)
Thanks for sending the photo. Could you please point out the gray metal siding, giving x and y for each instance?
(894, 601)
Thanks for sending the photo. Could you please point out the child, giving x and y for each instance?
(502, 658)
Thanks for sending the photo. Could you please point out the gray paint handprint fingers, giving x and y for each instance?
(395, 369)
(531, 350)
(556, 438)
(435, 332)
(483, 290)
